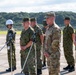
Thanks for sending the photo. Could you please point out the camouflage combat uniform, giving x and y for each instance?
(9, 46)
(75, 38)
(38, 46)
(68, 44)
(52, 41)
(26, 36)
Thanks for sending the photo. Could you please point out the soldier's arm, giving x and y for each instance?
(75, 38)
(42, 39)
(41, 36)
(56, 39)
(71, 31)
(73, 35)
(27, 46)
(30, 37)
(29, 43)
(47, 52)
(8, 44)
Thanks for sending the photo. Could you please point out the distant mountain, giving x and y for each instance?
(18, 16)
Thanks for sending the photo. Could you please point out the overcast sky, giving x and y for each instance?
(37, 5)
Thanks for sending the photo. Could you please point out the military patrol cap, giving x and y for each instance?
(67, 18)
(44, 23)
(26, 19)
(33, 19)
(50, 14)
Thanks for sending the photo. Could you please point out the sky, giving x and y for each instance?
(37, 5)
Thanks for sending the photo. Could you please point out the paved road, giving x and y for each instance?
(4, 63)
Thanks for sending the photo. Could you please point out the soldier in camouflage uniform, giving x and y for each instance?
(39, 42)
(52, 44)
(75, 40)
(25, 44)
(11, 35)
(68, 38)
(44, 30)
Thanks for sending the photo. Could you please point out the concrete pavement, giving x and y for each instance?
(4, 62)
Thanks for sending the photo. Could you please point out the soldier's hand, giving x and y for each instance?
(23, 48)
(46, 54)
(75, 43)
(44, 35)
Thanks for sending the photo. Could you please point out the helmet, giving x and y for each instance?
(9, 22)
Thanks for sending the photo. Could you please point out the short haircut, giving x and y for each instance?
(50, 14)
(26, 19)
(33, 19)
(67, 18)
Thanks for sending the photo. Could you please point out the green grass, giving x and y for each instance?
(18, 32)
(5, 32)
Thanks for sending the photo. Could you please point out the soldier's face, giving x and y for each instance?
(66, 22)
(33, 23)
(9, 26)
(26, 24)
(50, 20)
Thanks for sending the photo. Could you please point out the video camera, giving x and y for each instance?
(11, 35)
(34, 36)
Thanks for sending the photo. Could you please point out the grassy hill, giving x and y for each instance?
(18, 16)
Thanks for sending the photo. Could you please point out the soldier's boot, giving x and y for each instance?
(66, 68)
(39, 71)
(44, 64)
(14, 68)
(71, 69)
(9, 69)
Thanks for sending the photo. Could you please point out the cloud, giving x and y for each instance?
(37, 5)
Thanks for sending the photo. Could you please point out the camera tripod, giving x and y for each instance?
(10, 42)
(4, 46)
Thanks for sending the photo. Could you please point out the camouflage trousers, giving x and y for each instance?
(13, 56)
(42, 54)
(68, 53)
(53, 63)
(39, 61)
(30, 65)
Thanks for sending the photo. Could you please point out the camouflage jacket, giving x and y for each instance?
(38, 32)
(75, 35)
(67, 35)
(53, 37)
(26, 36)
(44, 30)
(10, 36)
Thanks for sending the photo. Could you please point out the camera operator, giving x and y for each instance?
(10, 39)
